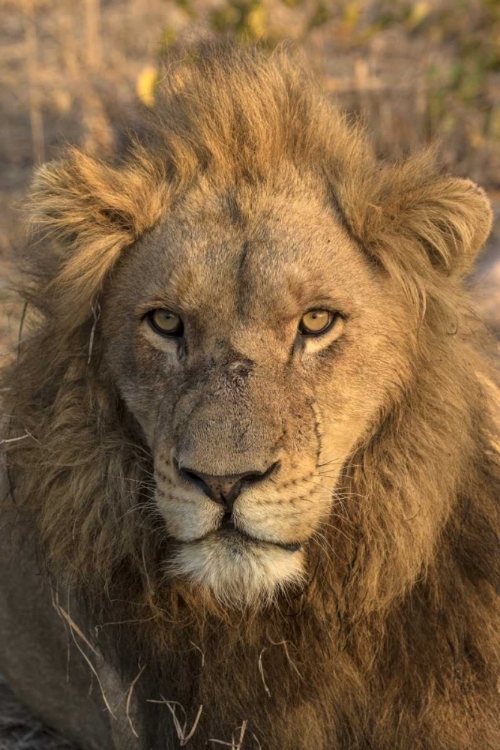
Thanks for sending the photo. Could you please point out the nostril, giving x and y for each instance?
(194, 478)
(253, 477)
(190, 475)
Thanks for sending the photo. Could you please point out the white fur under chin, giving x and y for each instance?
(241, 575)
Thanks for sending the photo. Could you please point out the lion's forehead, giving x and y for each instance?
(263, 259)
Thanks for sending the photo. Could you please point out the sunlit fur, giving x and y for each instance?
(394, 641)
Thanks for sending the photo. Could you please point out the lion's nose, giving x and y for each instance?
(225, 489)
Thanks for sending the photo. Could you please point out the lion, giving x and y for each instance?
(251, 452)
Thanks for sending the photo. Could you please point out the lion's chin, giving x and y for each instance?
(238, 571)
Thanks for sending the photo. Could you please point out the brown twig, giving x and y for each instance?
(233, 744)
(201, 652)
(180, 729)
(73, 627)
(129, 700)
(261, 670)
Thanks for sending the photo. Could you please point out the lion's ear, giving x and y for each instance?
(416, 217)
(449, 217)
(90, 211)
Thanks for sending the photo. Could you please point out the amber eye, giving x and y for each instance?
(316, 322)
(165, 322)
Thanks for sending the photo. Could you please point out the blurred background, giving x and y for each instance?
(76, 70)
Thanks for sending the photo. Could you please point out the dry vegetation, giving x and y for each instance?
(74, 70)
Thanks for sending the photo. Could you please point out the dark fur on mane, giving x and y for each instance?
(394, 642)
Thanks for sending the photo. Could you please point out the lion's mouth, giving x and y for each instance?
(228, 530)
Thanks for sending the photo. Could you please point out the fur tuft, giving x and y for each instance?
(89, 212)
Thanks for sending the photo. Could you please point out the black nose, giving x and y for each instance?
(225, 489)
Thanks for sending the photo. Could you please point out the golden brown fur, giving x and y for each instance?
(392, 642)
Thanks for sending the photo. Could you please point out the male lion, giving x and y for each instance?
(252, 491)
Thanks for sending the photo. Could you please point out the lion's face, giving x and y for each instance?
(250, 417)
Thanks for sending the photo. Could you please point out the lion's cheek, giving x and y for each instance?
(292, 520)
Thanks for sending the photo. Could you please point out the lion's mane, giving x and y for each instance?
(397, 633)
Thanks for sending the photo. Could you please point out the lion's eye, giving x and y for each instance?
(166, 322)
(316, 322)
